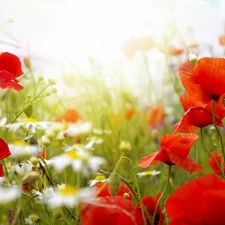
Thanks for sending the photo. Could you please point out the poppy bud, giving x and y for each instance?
(114, 183)
(30, 178)
(27, 63)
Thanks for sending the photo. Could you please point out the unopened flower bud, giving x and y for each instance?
(30, 178)
(54, 90)
(11, 19)
(45, 140)
(60, 136)
(125, 146)
(52, 81)
(114, 183)
(192, 57)
(126, 195)
(27, 63)
(40, 78)
(34, 160)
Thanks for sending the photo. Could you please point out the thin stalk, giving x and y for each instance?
(216, 161)
(219, 133)
(164, 191)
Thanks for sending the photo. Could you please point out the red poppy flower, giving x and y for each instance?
(198, 202)
(207, 81)
(175, 51)
(4, 151)
(196, 117)
(222, 40)
(70, 116)
(1, 170)
(156, 117)
(174, 151)
(187, 66)
(149, 202)
(10, 69)
(213, 164)
(102, 190)
(110, 210)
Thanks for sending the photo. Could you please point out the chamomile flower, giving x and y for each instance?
(78, 129)
(22, 148)
(23, 168)
(31, 219)
(98, 179)
(63, 195)
(9, 194)
(80, 162)
(149, 173)
(29, 124)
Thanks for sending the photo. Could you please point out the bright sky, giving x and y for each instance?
(56, 33)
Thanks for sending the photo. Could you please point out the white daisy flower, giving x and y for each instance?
(31, 219)
(63, 195)
(98, 179)
(78, 129)
(9, 194)
(23, 168)
(21, 148)
(149, 173)
(30, 124)
(80, 162)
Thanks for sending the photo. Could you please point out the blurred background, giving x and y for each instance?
(129, 43)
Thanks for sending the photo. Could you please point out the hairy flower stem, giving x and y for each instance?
(164, 191)
(219, 133)
(216, 161)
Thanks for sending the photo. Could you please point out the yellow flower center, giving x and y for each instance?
(72, 154)
(100, 177)
(19, 143)
(68, 190)
(30, 119)
(149, 172)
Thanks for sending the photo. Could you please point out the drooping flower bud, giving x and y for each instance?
(114, 183)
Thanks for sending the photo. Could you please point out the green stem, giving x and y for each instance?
(137, 197)
(164, 191)
(216, 161)
(219, 133)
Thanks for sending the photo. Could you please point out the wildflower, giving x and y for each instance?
(29, 124)
(78, 129)
(9, 194)
(4, 152)
(196, 117)
(213, 164)
(70, 116)
(21, 148)
(149, 173)
(156, 117)
(10, 69)
(222, 40)
(192, 57)
(102, 190)
(23, 168)
(111, 210)
(175, 51)
(63, 195)
(98, 179)
(194, 202)
(80, 162)
(149, 203)
(125, 146)
(174, 151)
(207, 71)
(31, 219)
